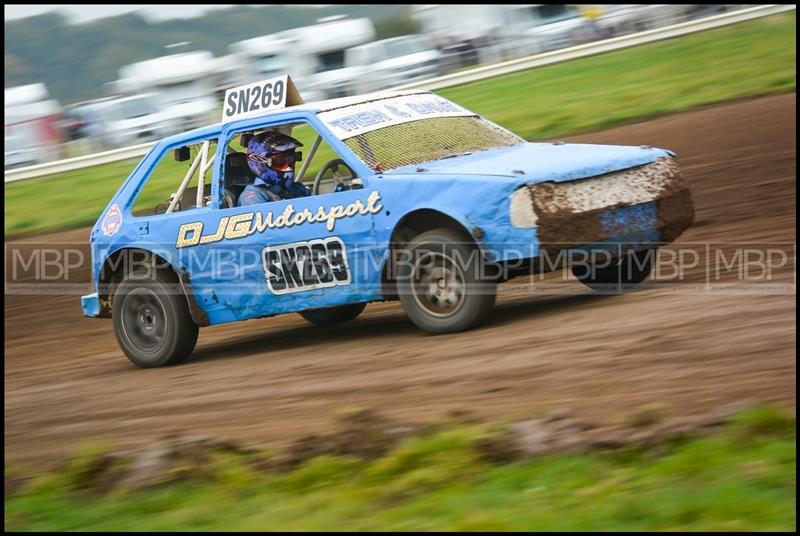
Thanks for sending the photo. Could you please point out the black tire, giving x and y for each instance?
(152, 322)
(622, 271)
(441, 282)
(333, 315)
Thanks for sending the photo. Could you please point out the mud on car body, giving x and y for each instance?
(423, 201)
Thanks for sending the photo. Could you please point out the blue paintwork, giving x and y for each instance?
(91, 304)
(472, 189)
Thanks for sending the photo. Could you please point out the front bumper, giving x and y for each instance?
(637, 208)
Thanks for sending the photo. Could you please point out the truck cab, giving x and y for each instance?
(315, 55)
(392, 62)
(183, 84)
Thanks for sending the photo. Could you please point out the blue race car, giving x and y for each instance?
(414, 199)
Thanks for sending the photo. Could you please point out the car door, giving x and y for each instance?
(287, 255)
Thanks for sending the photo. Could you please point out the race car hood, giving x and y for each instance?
(532, 163)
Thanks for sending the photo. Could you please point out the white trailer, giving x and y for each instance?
(184, 84)
(313, 55)
(483, 33)
(31, 125)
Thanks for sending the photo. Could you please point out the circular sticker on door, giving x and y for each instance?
(113, 220)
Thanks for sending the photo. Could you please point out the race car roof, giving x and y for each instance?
(312, 107)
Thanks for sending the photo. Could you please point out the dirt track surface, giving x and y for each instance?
(270, 381)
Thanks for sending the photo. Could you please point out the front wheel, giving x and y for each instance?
(333, 315)
(152, 322)
(632, 268)
(442, 284)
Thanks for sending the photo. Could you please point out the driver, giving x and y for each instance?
(271, 157)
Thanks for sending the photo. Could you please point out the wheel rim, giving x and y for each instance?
(144, 321)
(438, 285)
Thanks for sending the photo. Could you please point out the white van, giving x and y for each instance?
(390, 62)
(119, 122)
(21, 152)
(184, 84)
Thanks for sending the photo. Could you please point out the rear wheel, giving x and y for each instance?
(152, 322)
(631, 268)
(442, 286)
(333, 315)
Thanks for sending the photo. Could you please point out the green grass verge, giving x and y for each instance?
(740, 479)
(748, 59)
(743, 60)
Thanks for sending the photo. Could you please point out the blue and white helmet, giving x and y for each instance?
(271, 156)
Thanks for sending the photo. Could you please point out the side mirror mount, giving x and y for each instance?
(181, 154)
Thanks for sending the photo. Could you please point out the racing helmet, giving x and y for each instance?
(272, 155)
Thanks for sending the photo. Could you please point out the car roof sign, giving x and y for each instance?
(360, 118)
(260, 97)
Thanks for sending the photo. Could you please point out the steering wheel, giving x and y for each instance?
(335, 172)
